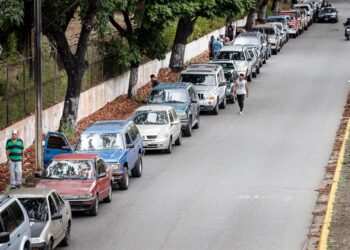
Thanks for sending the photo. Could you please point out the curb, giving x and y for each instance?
(323, 243)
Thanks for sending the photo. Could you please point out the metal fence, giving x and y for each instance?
(17, 92)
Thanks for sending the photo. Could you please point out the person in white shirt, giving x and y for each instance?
(241, 89)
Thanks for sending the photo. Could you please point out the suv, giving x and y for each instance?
(256, 40)
(281, 33)
(308, 8)
(118, 143)
(293, 22)
(231, 76)
(328, 14)
(210, 83)
(283, 20)
(50, 216)
(183, 98)
(272, 33)
(240, 55)
(15, 229)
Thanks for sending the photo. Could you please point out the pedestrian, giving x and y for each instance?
(230, 31)
(241, 89)
(227, 42)
(15, 156)
(217, 46)
(154, 81)
(211, 42)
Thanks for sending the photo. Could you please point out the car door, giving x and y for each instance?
(56, 225)
(9, 226)
(194, 104)
(62, 209)
(56, 143)
(222, 84)
(176, 125)
(249, 61)
(172, 127)
(103, 183)
(131, 152)
(136, 140)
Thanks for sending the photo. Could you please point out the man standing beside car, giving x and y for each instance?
(15, 156)
(241, 89)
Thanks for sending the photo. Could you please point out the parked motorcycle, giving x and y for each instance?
(347, 32)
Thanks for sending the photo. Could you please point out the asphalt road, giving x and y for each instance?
(240, 182)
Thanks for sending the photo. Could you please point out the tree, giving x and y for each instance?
(139, 32)
(190, 11)
(275, 6)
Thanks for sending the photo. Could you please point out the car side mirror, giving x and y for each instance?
(56, 216)
(4, 237)
(194, 101)
(175, 123)
(131, 145)
(67, 148)
(102, 175)
(221, 84)
(249, 59)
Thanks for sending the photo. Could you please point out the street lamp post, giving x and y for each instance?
(38, 86)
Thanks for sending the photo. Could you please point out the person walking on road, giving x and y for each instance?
(241, 89)
(217, 46)
(15, 156)
(211, 52)
(154, 81)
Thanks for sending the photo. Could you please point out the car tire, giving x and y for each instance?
(94, 209)
(170, 147)
(196, 126)
(108, 199)
(66, 240)
(254, 73)
(188, 129)
(216, 109)
(137, 170)
(258, 70)
(249, 77)
(223, 103)
(124, 182)
(178, 141)
(265, 59)
(50, 245)
(274, 52)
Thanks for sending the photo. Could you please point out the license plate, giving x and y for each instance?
(326, 19)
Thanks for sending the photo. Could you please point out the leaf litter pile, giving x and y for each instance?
(118, 109)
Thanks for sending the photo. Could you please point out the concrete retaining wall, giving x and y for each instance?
(95, 98)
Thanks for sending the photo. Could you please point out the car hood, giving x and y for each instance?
(205, 89)
(107, 155)
(64, 187)
(37, 228)
(146, 130)
(179, 107)
(241, 64)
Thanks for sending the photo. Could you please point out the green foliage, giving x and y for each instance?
(11, 14)
(67, 130)
(11, 43)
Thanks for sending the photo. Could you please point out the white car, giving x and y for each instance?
(159, 126)
(49, 214)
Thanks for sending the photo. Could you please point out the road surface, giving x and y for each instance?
(240, 182)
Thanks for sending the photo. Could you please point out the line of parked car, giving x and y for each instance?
(109, 152)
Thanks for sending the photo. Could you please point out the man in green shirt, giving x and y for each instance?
(15, 156)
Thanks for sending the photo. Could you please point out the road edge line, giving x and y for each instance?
(323, 243)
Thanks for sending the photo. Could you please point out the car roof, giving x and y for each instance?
(202, 69)
(172, 85)
(30, 192)
(277, 17)
(4, 199)
(76, 157)
(250, 34)
(107, 126)
(264, 26)
(154, 108)
(235, 47)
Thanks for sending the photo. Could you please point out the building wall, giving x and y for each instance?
(95, 98)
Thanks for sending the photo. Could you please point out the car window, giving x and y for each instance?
(128, 139)
(100, 141)
(134, 132)
(56, 142)
(174, 114)
(8, 222)
(101, 167)
(17, 213)
(37, 208)
(52, 205)
(192, 93)
(59, 202)
(170, 116)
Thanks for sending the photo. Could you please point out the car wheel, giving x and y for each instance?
(94, 209)
(50, 246)
(188, 129)
(108, 199)
(124, 182)
(274, 52)
(258, 70)
(265, 59)
(249, 77)
(196, 126)
(223, 103)
(216, 108)
(170, 147)
(66, 239)
(178, 141)
(137, 170)
(254, 73)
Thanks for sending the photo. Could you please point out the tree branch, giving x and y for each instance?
(127, 21)
(117, 26)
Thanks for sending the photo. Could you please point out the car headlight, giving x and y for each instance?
(211, 98)
(37, 240)
(182, 115)
(115, 166)
(162, 137)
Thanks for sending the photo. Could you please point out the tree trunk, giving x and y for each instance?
(262, 10)
(134, 76)
(71, 102)
(275, 6)
(252, 15)
(184, 29)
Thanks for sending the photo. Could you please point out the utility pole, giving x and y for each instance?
(38, 86)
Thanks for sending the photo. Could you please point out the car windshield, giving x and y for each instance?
(228, 76)
(225, 65)
(168, 96)
(146, 117)
(328, 10)
(247, 41)
(268, 31)
(75, 170)
(231, 55)
(207, 80)
(37, 208)
(280, 20)
(100, 141)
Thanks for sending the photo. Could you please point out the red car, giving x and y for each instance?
(82, 179)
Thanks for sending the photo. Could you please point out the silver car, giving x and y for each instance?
(50, 216)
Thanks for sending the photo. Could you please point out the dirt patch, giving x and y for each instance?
(118, 109)
(340, 226)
